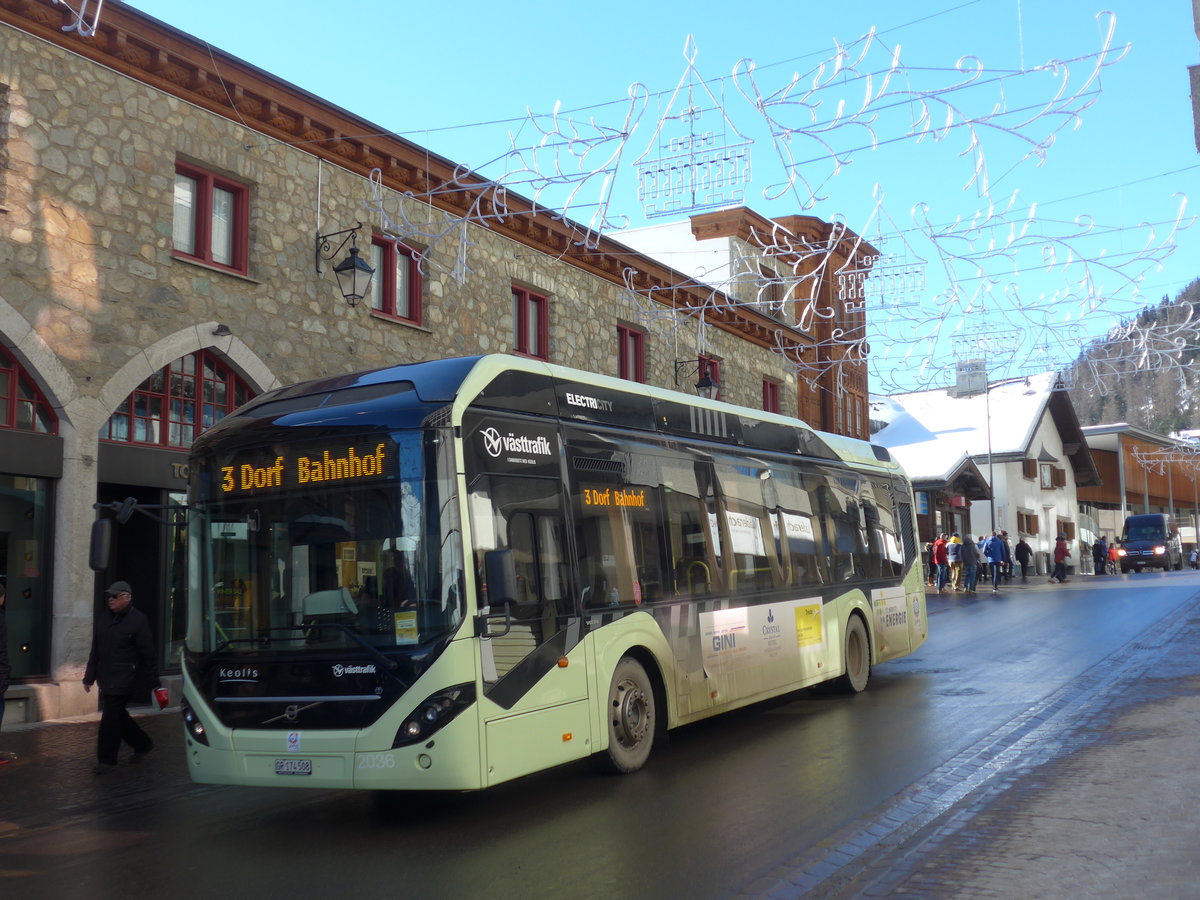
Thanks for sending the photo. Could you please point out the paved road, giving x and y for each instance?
(1089, 793)
(1078, 783)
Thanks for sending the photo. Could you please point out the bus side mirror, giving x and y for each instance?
(500, 570)
(100, 550)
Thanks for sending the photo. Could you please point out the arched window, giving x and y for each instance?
(22, 405)
(174, 405)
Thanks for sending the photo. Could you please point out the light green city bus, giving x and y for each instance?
(450, 574)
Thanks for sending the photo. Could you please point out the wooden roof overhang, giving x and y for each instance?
(1075, 446)
(964, 480)
(148, 50)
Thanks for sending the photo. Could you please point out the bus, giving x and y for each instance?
(449, 574)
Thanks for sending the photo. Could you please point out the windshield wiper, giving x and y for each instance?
(389, 665)
(207, 657)
(262, 640)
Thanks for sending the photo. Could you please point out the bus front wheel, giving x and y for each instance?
(632, 718)
(858, 657)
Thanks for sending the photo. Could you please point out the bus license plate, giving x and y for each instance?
(293, 767)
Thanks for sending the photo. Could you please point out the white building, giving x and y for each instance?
(1022, 436)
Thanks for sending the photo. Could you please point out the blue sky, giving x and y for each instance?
(1076, 240)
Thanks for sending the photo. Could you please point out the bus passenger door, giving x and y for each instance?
(534, 672)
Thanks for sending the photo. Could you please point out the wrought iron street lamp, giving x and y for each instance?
(353, 273)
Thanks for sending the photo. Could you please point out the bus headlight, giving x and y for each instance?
(433, 713)
(1159, 551)
(192, 724)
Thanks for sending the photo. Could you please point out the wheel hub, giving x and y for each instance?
(630, 714)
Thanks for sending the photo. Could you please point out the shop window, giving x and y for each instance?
(22, 405)
(631, 354)
(175, 405)
(211, 219)
(396, 288)
(531, 324)
(25, 514)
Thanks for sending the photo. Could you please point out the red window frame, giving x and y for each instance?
(202, 212)
(177, 403)
(771, 397)
(631, 354)
(528, 308)
(22, 406)
(388, 256)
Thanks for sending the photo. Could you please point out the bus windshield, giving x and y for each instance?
(375, 564)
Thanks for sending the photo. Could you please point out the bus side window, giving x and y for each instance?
(696, 525)
(525, 515)
(800, 523)
(692, 566)
(617, 499)
(619, 558)
(750, 504)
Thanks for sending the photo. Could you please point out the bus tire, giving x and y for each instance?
(632, 718)
(857, 657)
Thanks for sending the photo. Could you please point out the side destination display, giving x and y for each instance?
(267, 470)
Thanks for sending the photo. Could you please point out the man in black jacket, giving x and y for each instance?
(123, 662)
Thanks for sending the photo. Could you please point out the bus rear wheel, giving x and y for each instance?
(632, 718)
(857, 656)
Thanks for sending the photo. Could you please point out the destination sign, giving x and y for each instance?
(624, 497)
(334, 463)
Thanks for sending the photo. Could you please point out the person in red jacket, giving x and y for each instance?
(1061, 554)
(942, 559)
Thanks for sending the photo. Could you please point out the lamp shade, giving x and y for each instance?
(354, 277)
(706, 387)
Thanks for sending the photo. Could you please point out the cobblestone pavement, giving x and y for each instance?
(51, 785)
(1091, 793)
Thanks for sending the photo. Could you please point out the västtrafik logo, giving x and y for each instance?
(494, 443)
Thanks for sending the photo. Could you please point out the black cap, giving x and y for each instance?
(118, 587)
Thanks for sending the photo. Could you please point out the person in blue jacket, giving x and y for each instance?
(993, 551)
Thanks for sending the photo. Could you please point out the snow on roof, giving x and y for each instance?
(929, 432)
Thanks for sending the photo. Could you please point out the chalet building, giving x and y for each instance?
(169, 219)
(1143, 472)
(1019, 442)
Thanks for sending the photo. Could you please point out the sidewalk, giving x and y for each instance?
(51, 782)
(1111, 815)
(1095, 798)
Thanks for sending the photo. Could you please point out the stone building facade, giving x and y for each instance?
(98, 298)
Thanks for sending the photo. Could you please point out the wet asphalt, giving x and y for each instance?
(1090, 793)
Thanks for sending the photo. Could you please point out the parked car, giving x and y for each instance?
(1149, 541)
